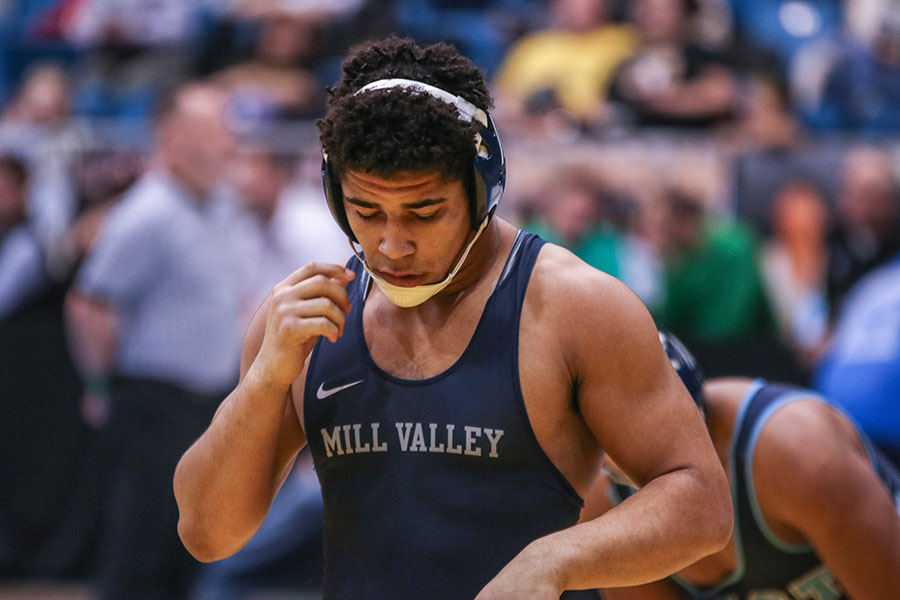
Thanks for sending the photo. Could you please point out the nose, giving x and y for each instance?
(395, 243)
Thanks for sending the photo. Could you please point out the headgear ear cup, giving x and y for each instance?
(490, 173)
(335, 199)
(489, 164)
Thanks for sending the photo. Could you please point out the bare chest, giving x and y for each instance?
(418, 349)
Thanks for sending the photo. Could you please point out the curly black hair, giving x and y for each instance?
(399, 130)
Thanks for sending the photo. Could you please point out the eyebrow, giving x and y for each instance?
(409, 206)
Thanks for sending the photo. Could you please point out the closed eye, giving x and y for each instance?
(426, 217)
(366, 216)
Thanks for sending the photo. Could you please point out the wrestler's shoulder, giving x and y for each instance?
(565, 280)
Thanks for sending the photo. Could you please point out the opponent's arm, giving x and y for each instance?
(644, 418)
(225, 483)
(812, 475)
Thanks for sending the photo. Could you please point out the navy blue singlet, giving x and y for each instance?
(430, 486)
(769, 567)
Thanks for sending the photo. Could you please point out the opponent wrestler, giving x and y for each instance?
(458, 382)
(816, 506)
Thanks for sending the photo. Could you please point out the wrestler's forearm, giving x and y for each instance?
(224, 484)
(673, 521)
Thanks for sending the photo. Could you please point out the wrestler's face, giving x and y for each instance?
(412, 226)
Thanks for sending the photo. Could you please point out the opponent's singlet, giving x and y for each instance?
(430, 486)
(769, 568)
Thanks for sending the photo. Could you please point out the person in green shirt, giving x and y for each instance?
(577, 215)
(713, 288)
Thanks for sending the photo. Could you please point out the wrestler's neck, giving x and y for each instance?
(479, 265)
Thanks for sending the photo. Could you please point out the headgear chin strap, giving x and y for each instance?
(406, 297)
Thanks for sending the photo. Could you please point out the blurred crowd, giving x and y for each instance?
(735, 162)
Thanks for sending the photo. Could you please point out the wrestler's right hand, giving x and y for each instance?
(310, 302)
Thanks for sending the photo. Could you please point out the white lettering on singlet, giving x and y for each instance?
(335, 445)
(434, 447)
(332, 442)
(360, 447)
(358, 438)
(493, 436)
(818, 584)
(451, 449)
(375, 446)
(349, 447)
(471, 432)
(418, 443)
(403, 430)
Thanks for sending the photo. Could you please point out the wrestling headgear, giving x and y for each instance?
(489, 166)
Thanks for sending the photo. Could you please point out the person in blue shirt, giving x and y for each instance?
(154, 324)
(457, 382)
(860, 370)
(815, 504)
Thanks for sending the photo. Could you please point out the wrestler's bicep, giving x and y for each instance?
(630, 396)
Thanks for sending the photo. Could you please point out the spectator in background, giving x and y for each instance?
(155, 323)
(567, 66)
(22, 273)
(133, 50)
(274, 83)
(578, 212)
(794, 262)
(867, 232)
(672, 80)
(764, 121)
(713, 286)
(285, 226)
(330, 26)
(861, 368)
(42, 99)
(481, 29)
(47, 511)
(36, 124)
(784, 28)
(862, 86)
(100, 179)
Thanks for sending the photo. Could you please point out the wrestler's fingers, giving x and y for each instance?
(318, 285)
(330, 270)
(321, 307)
(315, 326)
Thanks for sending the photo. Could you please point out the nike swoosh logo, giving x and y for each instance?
(322, 393)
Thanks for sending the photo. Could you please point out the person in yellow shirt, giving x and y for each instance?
(567, 66)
